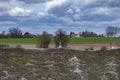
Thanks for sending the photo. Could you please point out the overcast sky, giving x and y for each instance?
(36, 16)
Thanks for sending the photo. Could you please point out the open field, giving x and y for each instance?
(59, 64)
(94, 40)
(89, 40)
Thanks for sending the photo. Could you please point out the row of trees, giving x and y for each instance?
(60, 39)
(16, 33)
(110, 31)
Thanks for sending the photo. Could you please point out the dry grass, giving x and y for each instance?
(54, 64)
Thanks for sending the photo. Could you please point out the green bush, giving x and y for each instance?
(43, 40)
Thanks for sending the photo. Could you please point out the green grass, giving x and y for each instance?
(94, 40)
(18, 41)
(88, 40)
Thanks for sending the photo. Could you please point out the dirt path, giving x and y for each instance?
(75, 46)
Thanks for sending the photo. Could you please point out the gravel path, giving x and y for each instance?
(75, 46)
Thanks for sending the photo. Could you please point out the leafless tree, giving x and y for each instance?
(61, 38)
(112, 31)
(15, 33)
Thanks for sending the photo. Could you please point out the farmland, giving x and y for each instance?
(91, 40)
(87, 40)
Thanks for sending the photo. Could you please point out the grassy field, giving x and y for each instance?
(87, 40)
(95, 40)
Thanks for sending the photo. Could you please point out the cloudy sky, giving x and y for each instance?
(36, 16)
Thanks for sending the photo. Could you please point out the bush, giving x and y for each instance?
(90, 48)
(18, 46)
(3, 46)
(43, 40)
(40, 42)
(103, 48)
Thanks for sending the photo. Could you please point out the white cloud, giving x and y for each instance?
(82, 2)
(54, 3)
(17, 11)
(77, 10)
(40, 14)
(76, 16)
(102, 10)
(67, 20)
(7, 23)
(86, 2)
(70, 11)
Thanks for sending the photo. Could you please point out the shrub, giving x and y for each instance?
(89, 49)
(40, 42)
(3, 46)
(103, 48)
(18, 46)
(43, 40)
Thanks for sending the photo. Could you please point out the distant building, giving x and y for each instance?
(72, 34)
(75, 35)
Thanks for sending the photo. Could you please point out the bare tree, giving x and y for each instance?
(2, 35)
(15, 33)
(112, 31)
(61, 38)
(118, 31)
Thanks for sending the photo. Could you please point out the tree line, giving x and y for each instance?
(15, 32)
(61, 38)
(110, 31)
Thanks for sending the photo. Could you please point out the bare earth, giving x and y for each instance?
(76, 46)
